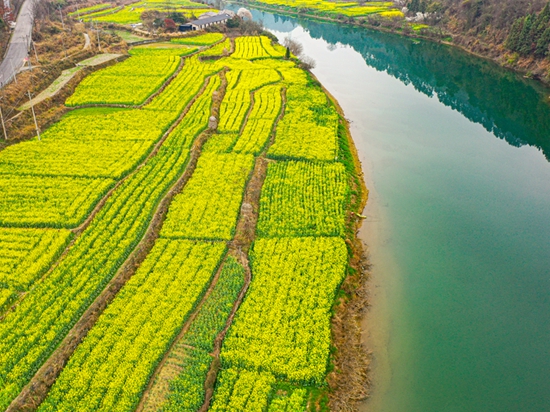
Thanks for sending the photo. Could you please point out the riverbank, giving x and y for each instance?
(528, 67)
(456, 210)
(349, 381)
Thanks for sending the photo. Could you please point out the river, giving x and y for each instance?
(456, 153)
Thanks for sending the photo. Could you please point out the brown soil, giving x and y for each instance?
(155, 392)
(79, 229)
(36, 391)
(158, 388)
(349, 381)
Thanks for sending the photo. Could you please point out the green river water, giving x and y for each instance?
(455, 153)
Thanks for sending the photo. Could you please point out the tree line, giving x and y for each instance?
(531, 34)
(523, 26)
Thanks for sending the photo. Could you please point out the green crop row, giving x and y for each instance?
(186, 391)
(122, 349)
(213, 314)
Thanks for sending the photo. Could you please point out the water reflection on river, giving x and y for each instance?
(455, 152)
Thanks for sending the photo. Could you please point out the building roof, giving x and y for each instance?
(207, 14)
(213, 19)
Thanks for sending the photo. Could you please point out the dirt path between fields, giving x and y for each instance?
(79, 229)
(158, 383)
(36, 390)
(87, 42)
(244, 237)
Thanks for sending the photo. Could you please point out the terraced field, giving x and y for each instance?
(128, 279)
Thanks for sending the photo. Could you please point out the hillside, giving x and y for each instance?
(514, 32)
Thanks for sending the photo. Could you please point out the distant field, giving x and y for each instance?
(128, 37)
(132, 13)
(335, 8)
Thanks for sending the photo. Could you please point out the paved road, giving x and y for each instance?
(19, 44)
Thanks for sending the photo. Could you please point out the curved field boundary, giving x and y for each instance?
(239, 246)
(79, 229)
(157, 378)
(161, 173)
(147, 101)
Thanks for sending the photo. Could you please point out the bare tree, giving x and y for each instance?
(148, 17)
(251, 27)
(307, 63)
(295, 48)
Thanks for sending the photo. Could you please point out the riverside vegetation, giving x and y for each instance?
(137, 193)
